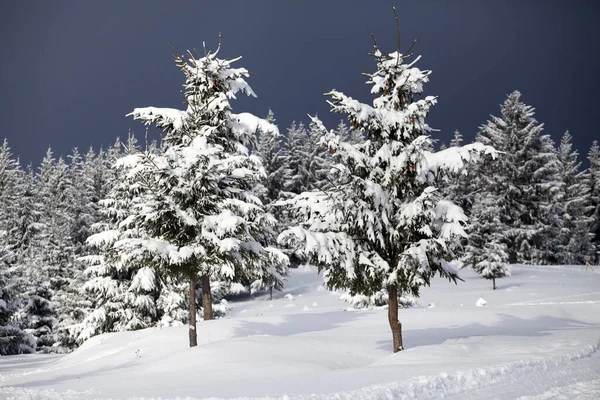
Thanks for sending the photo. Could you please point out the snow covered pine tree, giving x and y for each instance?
(13, 185)
(576, 206)
(268, 148)
(594, 190)
(128, 292)
(382, 222)
(523, 182)
(486, 251)
(197, 208)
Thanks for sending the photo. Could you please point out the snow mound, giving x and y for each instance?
(481, 302)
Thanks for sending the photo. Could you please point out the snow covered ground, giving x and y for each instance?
(538, 337)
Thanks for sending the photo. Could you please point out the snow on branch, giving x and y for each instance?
(453, 160)
(103, 238)
(246, 123)
(167, 119)
(324, 247)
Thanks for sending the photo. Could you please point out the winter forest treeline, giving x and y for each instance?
(71, 229)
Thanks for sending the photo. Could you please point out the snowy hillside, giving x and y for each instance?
(537, 336)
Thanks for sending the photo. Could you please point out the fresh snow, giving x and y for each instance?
(538, 338)
(481, 302)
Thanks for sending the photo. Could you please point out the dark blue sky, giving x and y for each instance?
(71, 70)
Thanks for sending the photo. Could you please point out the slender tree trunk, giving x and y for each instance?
(494, 282)
(206, 297)
(193, 335)
(395, 325)
(271, 292)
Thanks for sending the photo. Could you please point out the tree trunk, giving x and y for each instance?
(193, 335)
(206, 297)
(494, 282)
(395, 325)
(271, 292)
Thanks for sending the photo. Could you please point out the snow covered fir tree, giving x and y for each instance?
(381, 222)
(13, 339)
(193, 210)
(575, 240)
(594, 195)
(128, 293)
(486, 251)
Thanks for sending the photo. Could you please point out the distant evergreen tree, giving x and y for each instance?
(294, 156)
(128, 292)
(594, 194)
(56, 196)
(306, 161)
(79, 200)
(486, 251)
(27, 213)
(350, 135)
(318, 162)
(343, 131)
(457, 139)
(524, 182)
(40, 320)
(11, 187)
(269, 150)
(456, 187)
(86, 172)
(547, 189)
(575, 239)
(13, 340)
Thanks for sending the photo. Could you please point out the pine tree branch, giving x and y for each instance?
(408, 52)
(175, 54)
(381, 54)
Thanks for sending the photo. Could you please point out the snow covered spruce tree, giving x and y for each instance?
(197, 210)
(294, 155)
(524, 182)
(318, 162)
(348, 134)
(575, 236)
(382, 222)
(458, 188)
(13, 340)
(268, 148)
(12, 196)
(594, 194)
(127, 292)
(486, 251)
(305, 159)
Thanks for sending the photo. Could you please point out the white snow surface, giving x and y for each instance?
(538, 338)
